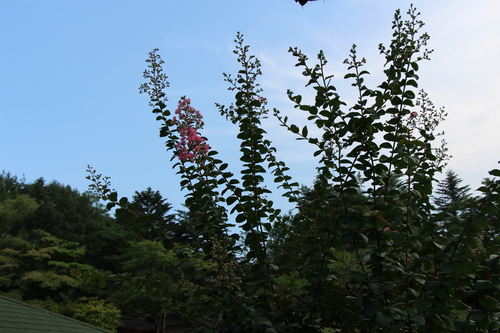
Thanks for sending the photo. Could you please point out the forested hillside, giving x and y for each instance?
(50, 233)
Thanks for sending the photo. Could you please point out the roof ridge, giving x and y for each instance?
(4, 299)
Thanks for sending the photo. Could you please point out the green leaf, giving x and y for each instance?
(415, 245)
(384, 319)
(230, 200)
(419, 320)
(483, 284)
(448, 267)
(241, 217)
(273, 267)
(396, 100)
(494, 326)
(488, 302)
(409, 94)
(479, 315)
(113, 196)
(495, 172)
(412, 83)
(123, 201)
(408, 102)
(255, 103)
(379, 100)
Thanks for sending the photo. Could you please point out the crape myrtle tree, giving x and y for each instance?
(491, 233)
(403, 276)
(283, 241)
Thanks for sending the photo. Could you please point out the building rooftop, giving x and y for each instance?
(18, 317)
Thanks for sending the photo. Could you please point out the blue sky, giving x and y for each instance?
(70, 72)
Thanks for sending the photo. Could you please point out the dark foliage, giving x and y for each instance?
(303, 2)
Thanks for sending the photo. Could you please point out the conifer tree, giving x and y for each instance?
(452, 200)
(452, 197)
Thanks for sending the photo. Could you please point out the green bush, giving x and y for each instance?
(98, 313)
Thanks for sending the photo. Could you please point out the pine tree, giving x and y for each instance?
(452, 200)
(150, 218)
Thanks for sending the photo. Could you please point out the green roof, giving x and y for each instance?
(18, 317)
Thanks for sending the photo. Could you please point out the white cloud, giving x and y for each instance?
(463, 76)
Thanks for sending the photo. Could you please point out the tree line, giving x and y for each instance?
(51, 231)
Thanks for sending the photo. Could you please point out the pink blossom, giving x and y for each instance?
(413, 114)
(191, 145)
(387, 229)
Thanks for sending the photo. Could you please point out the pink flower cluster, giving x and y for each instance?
(191, 145)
